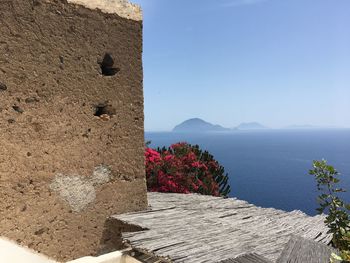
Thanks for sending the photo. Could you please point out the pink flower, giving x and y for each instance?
(196, 164)
(168, 157)
(182, 168)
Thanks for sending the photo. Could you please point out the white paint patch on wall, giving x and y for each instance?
(79, 191)
(122, 8)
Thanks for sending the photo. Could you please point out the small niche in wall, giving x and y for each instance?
(107, 66)
(3, 86)
(104, 111)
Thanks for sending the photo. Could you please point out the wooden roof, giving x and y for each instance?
(302, 250)
(196, 228)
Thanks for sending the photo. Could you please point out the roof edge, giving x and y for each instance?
(123, 8)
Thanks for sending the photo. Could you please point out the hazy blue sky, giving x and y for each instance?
(278, 62)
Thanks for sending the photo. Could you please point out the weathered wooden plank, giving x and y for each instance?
(247, 258)
(300, 250)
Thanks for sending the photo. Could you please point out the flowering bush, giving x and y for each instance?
(184, 168)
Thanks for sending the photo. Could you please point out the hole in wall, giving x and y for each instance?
(17, 109)
(35, 3)
(3, 86)
(31, 100)
(104, 111)
(107, 66)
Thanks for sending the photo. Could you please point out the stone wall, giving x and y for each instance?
(71, 126)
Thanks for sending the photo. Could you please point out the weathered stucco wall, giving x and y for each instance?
(63, 170)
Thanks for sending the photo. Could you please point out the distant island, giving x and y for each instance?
(197, 125)
(250, 126)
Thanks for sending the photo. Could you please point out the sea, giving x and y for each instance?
(269, 168)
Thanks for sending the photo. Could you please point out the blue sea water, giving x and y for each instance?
(269, 168)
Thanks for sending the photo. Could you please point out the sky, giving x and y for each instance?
(277, 62)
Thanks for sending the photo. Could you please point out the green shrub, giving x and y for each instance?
(337, 210)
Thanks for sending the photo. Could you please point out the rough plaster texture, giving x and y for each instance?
(63, 171)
